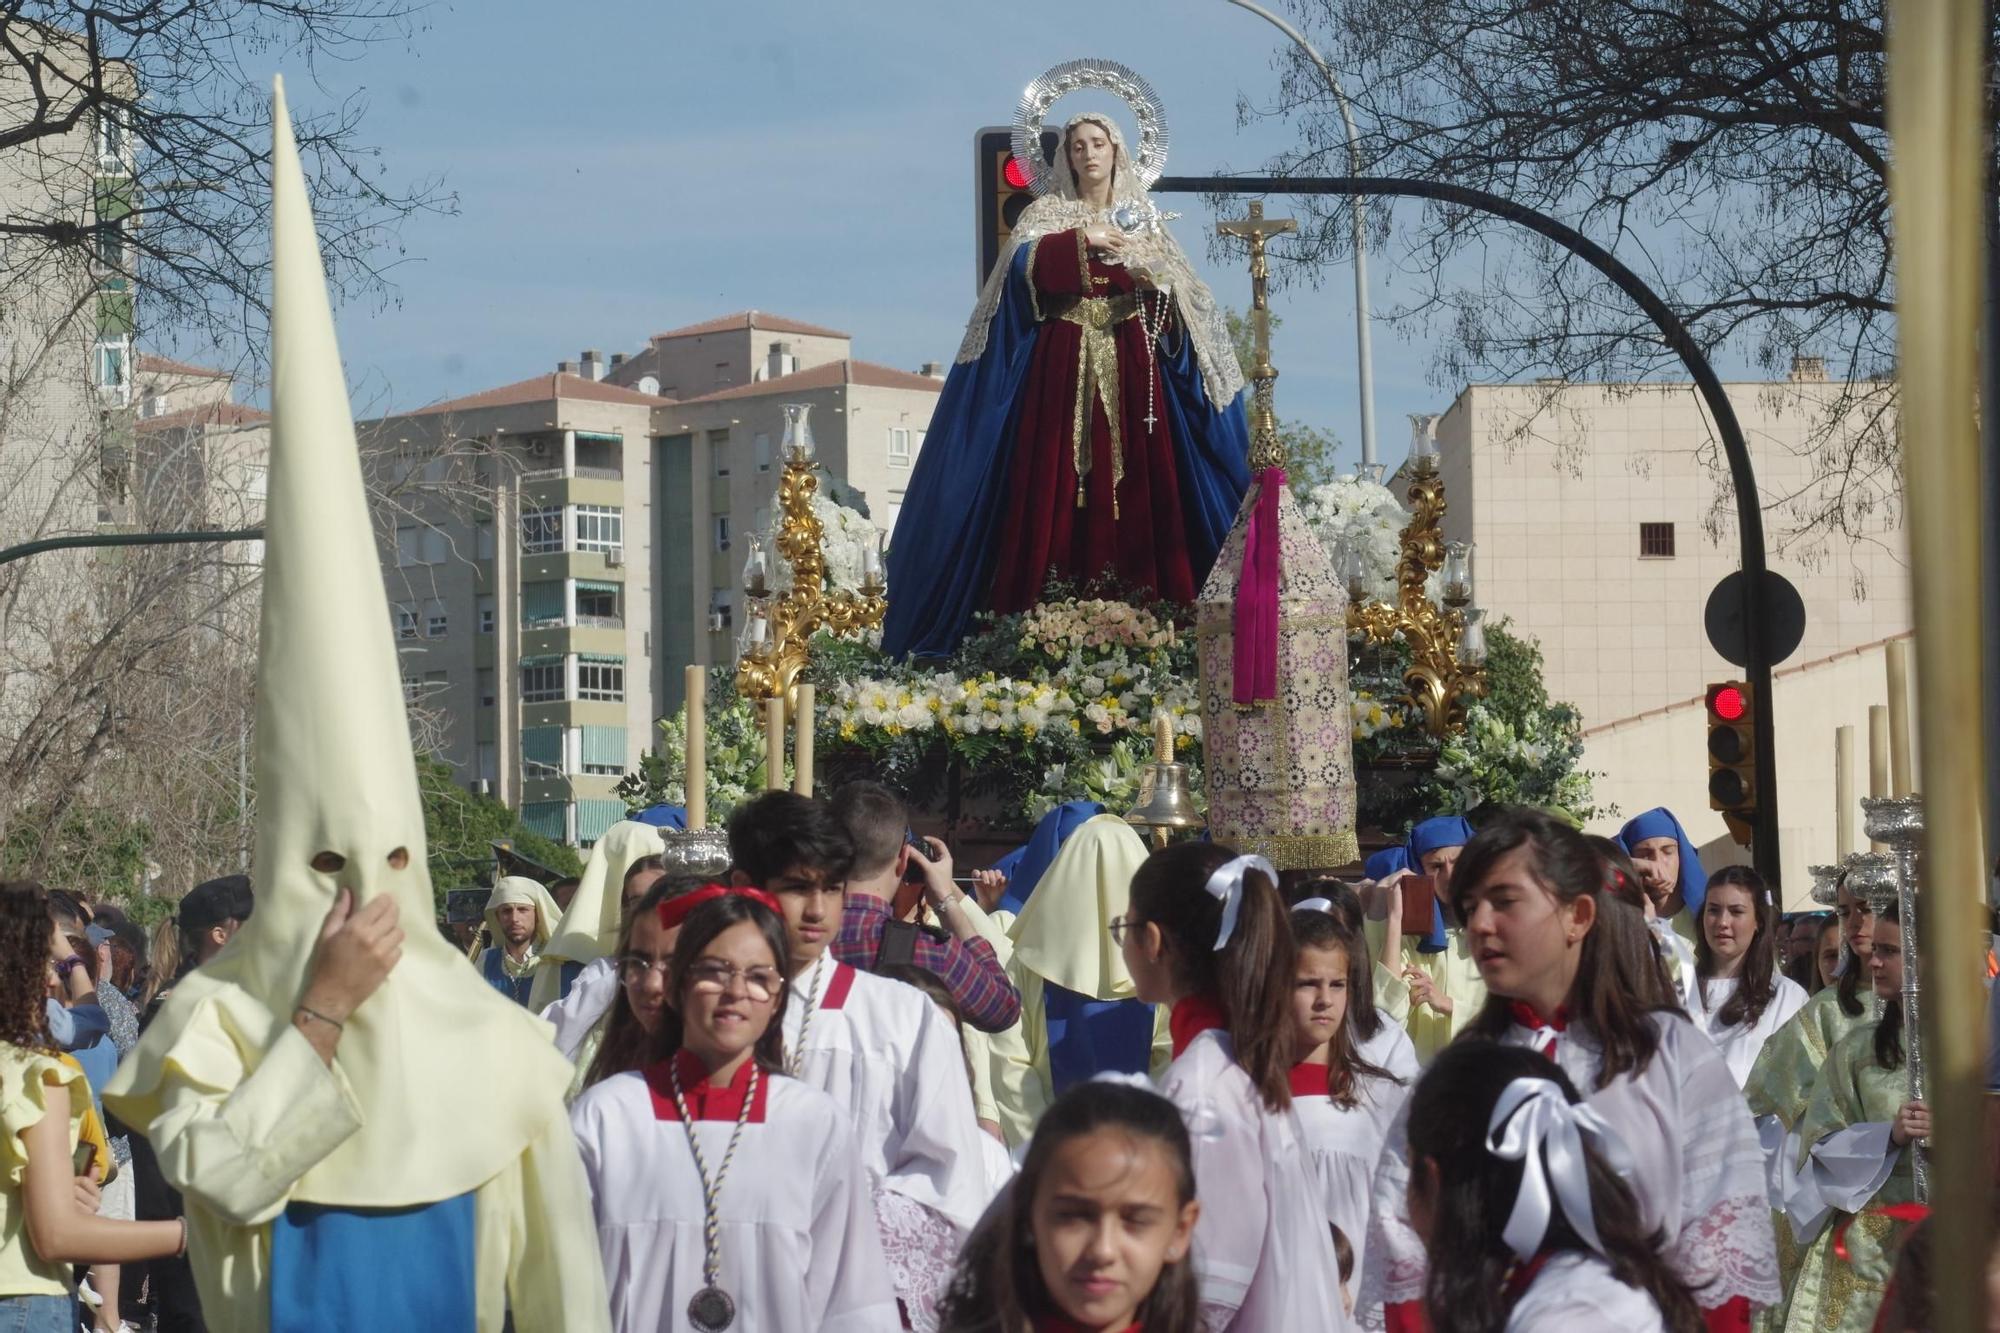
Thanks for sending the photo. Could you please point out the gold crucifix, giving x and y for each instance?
(1265, 450)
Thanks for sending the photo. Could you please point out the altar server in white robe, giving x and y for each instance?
(1206, 933)
(726, 1194)
(366, 1134)
(1377, 1029)
(879, 1048)
(1518, 1192)
(1345, 1101)
(1739, 998)
(1572, 973)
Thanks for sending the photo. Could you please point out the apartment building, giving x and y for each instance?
(559, 549)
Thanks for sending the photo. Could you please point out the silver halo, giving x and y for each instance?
(1149, 160)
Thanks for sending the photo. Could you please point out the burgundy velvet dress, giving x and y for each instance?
(1130, 532)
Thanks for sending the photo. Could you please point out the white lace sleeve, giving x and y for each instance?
(921, 1247)
(1393, 1264)
(1724, 1247)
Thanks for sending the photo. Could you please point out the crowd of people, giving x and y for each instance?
(1518, 1079)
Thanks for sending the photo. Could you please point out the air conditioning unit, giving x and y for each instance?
(538, 449)
(716, 622)
(614, 559)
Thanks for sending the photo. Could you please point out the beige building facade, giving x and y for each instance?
(558, 550)
(1602, 518)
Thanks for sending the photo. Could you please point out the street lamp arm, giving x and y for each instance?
(11, 553)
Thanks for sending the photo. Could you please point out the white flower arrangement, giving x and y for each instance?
(1366, 516)
(848, 533)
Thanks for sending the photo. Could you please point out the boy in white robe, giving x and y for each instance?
(365, 1133)
(880, 1048)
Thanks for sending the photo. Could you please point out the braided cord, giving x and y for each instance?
(711, 1190)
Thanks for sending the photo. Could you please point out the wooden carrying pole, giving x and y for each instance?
(1937, 183)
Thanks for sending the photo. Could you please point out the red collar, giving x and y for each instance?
(1193, 1016)
(1526, 1015)
(1310, 1081)
(1522, 1275)
(705, 1102)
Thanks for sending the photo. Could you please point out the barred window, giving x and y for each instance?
(541, 531)
(541, 680)
(1656, 541)
(600, 528)
(601, 678)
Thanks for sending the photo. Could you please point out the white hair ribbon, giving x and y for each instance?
(1314, 905)
(1226, 885)
(1534, 1124)
(1140, 1081)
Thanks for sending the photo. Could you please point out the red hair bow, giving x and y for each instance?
(675, 910)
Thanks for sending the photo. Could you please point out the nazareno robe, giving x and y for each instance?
(799, 1246)
(992, 500)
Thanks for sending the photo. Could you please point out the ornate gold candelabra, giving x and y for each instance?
(1448, 641)
(778, 631)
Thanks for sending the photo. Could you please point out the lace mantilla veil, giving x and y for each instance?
(1153, 250)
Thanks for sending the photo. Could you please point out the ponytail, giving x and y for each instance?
(1250, 974)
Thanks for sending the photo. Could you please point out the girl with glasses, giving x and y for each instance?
(727, 1195)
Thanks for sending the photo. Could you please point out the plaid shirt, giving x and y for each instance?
(970, 969)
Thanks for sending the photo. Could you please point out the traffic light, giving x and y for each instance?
(1732, 757)
(1000, 190)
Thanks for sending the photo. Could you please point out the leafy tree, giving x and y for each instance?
(461, 829)
(1309, 451)
(1736, 156)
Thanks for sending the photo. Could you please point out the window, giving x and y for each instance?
(411, 687)
(600, 528)
(722, 532)
(721, 610)
(487, 693)
(541, 531)
(899, 446)
(541, 680)
(542, 752)
(721, 374)
(484, 538)
(542, 604)
(489, 762)
(601, 678)
(486, 615)
(548, 818)
(1656, 541)
(604, 751)
(419, 544)
(763, 451)
(718, 447)
(406, 622)
(114, 368)
(111, 245)
(111, 143)
(436, 622)
(597, 602)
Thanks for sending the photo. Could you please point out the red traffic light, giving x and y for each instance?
(1016, 173)
(1728, 703)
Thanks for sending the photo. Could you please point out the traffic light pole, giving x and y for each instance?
(1743, 479)
(11, 553)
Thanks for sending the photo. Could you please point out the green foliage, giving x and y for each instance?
(88, 850)
(461, 828)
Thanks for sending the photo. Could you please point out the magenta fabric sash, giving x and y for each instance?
(1256, 668)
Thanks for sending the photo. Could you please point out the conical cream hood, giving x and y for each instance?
(453, 1080)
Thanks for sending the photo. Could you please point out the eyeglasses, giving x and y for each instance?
(760, 983)
(632, 968)
(1119, 925)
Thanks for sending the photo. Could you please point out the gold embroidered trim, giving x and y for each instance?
(1299, 851)
(1097, 377)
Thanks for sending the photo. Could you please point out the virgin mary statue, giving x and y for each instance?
(1092, 428)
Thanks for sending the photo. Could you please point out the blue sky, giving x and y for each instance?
(625, 168)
